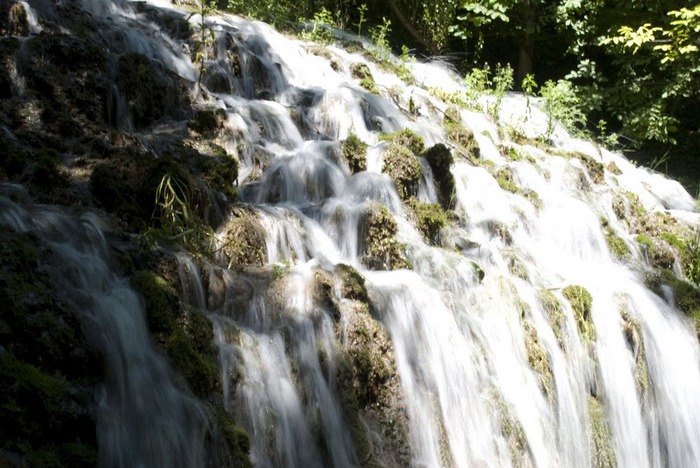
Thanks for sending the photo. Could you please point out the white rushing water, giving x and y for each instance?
(463, 344)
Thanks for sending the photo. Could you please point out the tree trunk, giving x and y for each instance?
(527, 45)
(408, 26)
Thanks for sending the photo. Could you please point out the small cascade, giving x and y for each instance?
(139, 385)
(453, 291)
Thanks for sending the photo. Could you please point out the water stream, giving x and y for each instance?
(468, 391)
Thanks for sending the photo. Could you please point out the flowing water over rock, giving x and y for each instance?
(524, 332)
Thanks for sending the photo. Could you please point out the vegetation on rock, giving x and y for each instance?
(355, 153)
(381, 249)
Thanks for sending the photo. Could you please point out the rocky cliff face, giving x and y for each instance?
(223, 246)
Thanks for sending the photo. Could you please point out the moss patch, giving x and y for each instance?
(208, 122)
(406, 138)
(184, 335)
(430, 219)
(554, 313)
(633, 333)
(459, 135)
(382, 250)
(404, 169)
(601, 436)
(48, 372)
(355, 153)
(581, 302)
(686, 295)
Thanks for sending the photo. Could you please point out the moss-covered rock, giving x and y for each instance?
(381, 249)
(361, 72)
(17, 24)
(237, 451)
(506, 180)
(207, 122)
(352, 283)
(184, 335)
(48, 371)
(440, 159)
(459, 135)
(151, 91)
(581, 303)
(406, 138)
(595, 169)
(404, 169)
(554, 314)
(511, 429)
(430, 219)
(369, 389)
(616, 244)
(601, 436)
(219, 171)
(243, 240)
(634, 336)
(355, 153)
(685, 295)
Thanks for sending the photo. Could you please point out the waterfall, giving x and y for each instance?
(516, 337)
(143, 418)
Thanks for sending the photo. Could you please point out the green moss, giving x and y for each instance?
(151, 91)
(459, 135)
(220, 172)
(352, 283)
(360, 71)
(355, 153)
(581, 303)
(601, 436)
(186, 336)
(537, 358)
(686, 295)
(504, 178)
(616, 245)
(512, 430)
(382, 251)
(404, 169)
(369, 85)
(633, 333)
(613, 169)
(440, 159)
(554, 313)
(237, 440)
(430, 219)
(406, 138)
(44, 418)
(207, 122)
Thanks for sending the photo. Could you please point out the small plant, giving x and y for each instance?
(562, 105)
(362, 10)
(403, 71)
(502, 83)
(528, 85)
(381, 51)
(321, 31)
(477, 83)
(203, 38)
(176, 218)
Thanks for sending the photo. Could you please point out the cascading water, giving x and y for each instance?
(522, 341)
(143, 418)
